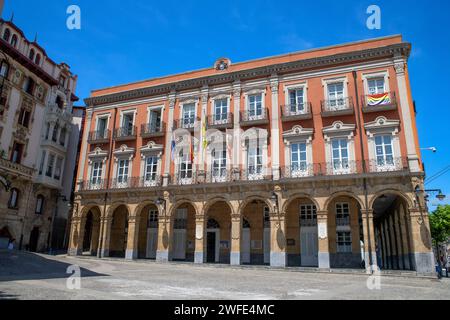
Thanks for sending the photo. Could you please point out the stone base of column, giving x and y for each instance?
(104, 253)
(131, 254)
(198, 257)
(235, 258)
(278, 259)
(424, 263)
(162, 256)
(324, 260)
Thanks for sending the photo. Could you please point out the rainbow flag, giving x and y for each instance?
(378, 99)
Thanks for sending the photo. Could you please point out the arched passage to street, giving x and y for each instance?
(148, 232)
(183, 239)
(119, 232)
(91, 232)
(218, 233)
(301, 233)
(345, 232)
(255, 235)
(392, 232)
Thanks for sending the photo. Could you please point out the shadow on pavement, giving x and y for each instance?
(16, 265)
(5, 296)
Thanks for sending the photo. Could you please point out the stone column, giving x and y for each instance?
(400, 254)
(384, 245)
(394, 240)
(164, 238)
(76, 233)
(275, 130)
(235, 246)
(323, 245)
(370, 253)
(131, 252)
(106, 237)
(421, 242)
(388, 243)
(278, 256)
(169, 131)
(200, 242)
(237, 130)
(407, 116)
(404, 238)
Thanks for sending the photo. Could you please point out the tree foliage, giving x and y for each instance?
(440, 224)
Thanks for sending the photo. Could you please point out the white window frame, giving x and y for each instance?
(101, 117)
(255, 137)
(182, 113)
(214, 100)
(376, 75)
(339, 130)
(123, 153)
(253, 92)
(297, 135)
(97, 155)
(124, 113)
(307, 215)
(343, 223)
(330, 81)
(152, 109)
(184, 157)
(299, 86)
(151, 150)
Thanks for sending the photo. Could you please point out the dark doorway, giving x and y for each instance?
(88, 233)
(34, 239)
(211, 247)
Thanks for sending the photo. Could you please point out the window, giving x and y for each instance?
(376, 86)
(14, 199)
(41, 166)
(58, 167)
(59, 102)
(55, 132)
(102, 124)
(336, 95)
(220, 110)
(219, 169)
(340, 154)
(155, 121)
(39, 204)
(185, 166)
(14, 40)
(28, 85)
(255, 106)
(62, 137)
(128, 124)
(62, 81)
(24, 117)
(296, 101)
(50, 165)
(308, 215)
(4, 69)
(31, 56)
(254, 161)
(188, 115)
(153, 219)
(38, 59)
(122, 171)
(384, 151)
(96, 174)
(151, 169)
(16, 155)
(7, 35)
(342, 214)
(298, 157)
(344, 242)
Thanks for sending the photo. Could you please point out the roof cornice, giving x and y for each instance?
(395, 50)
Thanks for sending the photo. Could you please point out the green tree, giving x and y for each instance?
(440, 225)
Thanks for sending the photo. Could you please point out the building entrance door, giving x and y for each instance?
(245, 245)
(266, 244)
(34, 239)
(309, 246)
(211, 247)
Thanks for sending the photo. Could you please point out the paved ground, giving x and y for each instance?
(32, 276)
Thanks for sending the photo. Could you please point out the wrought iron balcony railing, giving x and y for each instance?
(255, 173)
(184, 178)
(120, 183)
(220, 121)
(300, 171)
(254, 117)
(293, 112)
(125, 133)
(388, 164)
(335, 107)
(379, 102)
(149, 130)
(217, 175)
(186, 123)
(99, 136)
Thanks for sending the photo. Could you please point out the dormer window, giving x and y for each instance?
(31, 56)
(7, 35)
(14, 40)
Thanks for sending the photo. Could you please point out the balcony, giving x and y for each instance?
(99, 137)
(186, 123)
(379, 102)
(220, 121)
(184, 178)
(293, 112)
(388, 165)
(252, 118)
(150, 130)
(256, 173)
(124, 134)
(122, 183)
(337, 107)
(300, 171)
(16, 168)
(217, 175)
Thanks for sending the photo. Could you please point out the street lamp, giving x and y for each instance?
(433, 149)
(440, 196)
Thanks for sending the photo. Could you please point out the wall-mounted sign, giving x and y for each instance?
(323, 233)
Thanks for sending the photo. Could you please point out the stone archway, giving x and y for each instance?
(183, 232)
(90, 242)
(119, 232)
(148, 232)
(218, 232)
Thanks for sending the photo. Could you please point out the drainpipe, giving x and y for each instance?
(364, 168)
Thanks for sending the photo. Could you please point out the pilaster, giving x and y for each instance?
(324, 246)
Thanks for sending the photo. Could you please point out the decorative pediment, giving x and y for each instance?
(124, 150)
(382, 125)
(98, 153)
(255, 134)
(297, 133)
(151, 148)
(338, 128)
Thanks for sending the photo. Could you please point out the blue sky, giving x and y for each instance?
(125, 41)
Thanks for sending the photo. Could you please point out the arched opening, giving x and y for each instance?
(7, 35)
(183, 240)
(34, 239)
(38, 59)
(218, 233)
(345, 233)
(31, 56)
(119, 232)
(5, 237)
(255, 236)
(91, 232)
(392, 232)
(148, 232)
(301, 233)
(14, 40)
